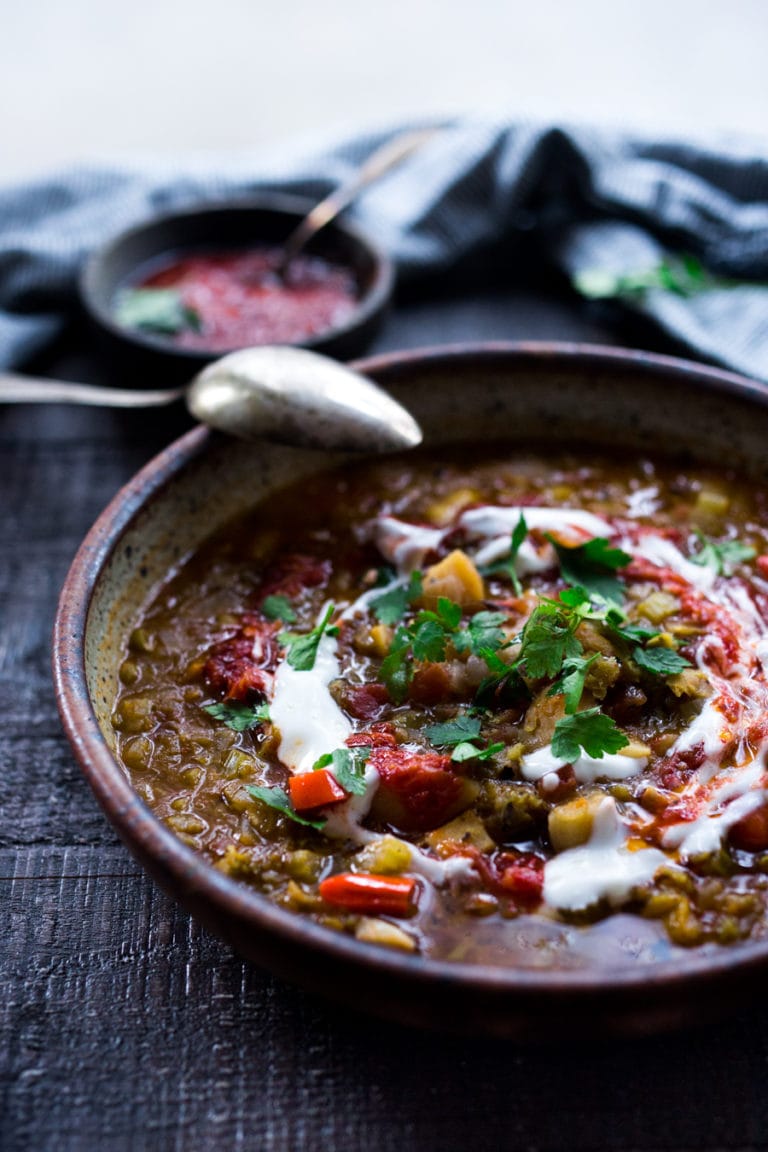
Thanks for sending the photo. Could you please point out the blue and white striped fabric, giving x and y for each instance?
(598, 202)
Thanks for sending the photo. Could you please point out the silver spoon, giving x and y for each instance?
(286, 394)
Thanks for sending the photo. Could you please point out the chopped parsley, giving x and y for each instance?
(548, 640)
(724, 557)
(483, 632)
(391, 606)
(507, 567)
(592, 567)
(660, 661)
(347, 766)
(453, 731)
(276, 607)
(468, 751)
(238, 717)
(302, 647)
(592, 731)
(570, 682)
(278, 799)
(160, 310)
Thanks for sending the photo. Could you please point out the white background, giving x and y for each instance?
(96, 79)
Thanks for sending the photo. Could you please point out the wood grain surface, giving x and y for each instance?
(125, 1026)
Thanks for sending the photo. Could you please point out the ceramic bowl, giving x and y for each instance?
(143, 356)
(566, 394)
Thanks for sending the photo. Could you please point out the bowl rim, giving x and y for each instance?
(368, 305)
(143, 830)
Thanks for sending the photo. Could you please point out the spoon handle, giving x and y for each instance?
(388, 156)
(31, 390)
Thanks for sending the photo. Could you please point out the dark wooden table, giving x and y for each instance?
(126, 1026)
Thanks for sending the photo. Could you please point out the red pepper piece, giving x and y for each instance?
(370, 894)
(314, 790)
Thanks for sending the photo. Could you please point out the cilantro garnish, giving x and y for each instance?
(724, 557)
(348, 767)
(629, 633)
(302, 647)
(391, 606)
(507, 567)
(590, 730)
(503, 686)
(278, 799)
(467, 751)
(570, 683)
(239, 717)
(396, 669)
(453, 731)
(160, 310)
(277, 607)
(591, 566)
(425, 639)
(482, 632)
(548, 639)
(660, 661)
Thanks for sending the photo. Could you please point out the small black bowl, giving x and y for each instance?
(144, 358)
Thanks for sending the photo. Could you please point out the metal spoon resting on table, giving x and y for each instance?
(285, 394)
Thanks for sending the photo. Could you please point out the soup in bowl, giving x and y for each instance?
(470, 735)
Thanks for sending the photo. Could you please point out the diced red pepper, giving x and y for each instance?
(370, 894)
(314, 790)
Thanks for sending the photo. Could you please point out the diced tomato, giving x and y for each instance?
(519, 875)
(377, 736)
(370, 894)
(751, 832)
(673, 771)
(241, 667)
(314, 790)
(366, 701)
(417, 790)
(762, 565)
(292, 574)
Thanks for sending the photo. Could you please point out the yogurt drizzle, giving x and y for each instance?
(311, 723)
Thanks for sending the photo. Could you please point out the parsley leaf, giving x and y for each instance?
(660, 661)
(160, 310)
(277, 607)
(428, 641)
(570, 683)
(591, 730)
(483, 631)
(348, 767)
(302, 648)
(724, 557)
(503, 686)
(591, 566)
(454, 731)
(238, 717)
(467, 751)
(396, 671)
(391, 606)
(629, 633)
(547, 640)
(507, 567)
(277, 799)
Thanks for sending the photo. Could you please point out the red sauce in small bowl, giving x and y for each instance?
(238, 299)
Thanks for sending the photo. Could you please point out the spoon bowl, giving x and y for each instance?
(285, 394)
